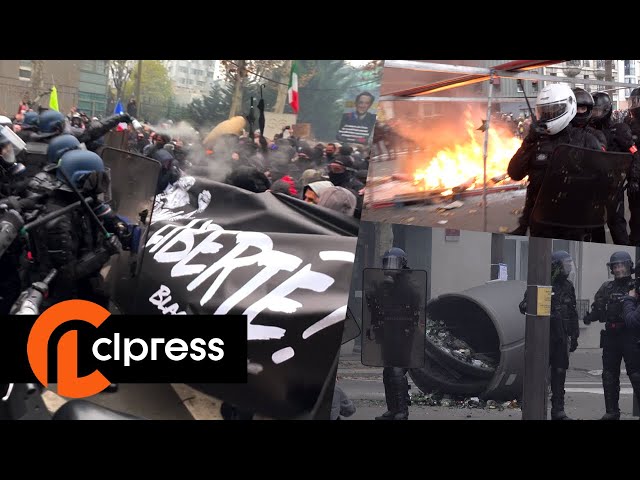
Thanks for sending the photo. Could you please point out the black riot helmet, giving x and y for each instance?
(584, 102)
(602, 108)
(620, 265)
(394, 259)
(634, 102)
(561, 264)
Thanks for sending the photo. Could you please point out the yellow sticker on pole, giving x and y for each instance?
(544, 301)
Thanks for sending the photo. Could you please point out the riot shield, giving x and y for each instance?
(351, 328)
(577, 186)
(35, 157)
(393, 318)
(134, 179)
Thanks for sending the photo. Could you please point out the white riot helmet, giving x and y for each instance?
(555, 108)
(5, 121)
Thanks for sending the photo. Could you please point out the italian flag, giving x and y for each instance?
(293, 88)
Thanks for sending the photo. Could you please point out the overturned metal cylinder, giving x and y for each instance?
(487, 319)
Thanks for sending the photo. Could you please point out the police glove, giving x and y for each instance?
(113, 245)
(623, 136)
(633, 187)
(574, 344)
(125, 117)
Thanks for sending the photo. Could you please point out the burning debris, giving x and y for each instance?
(452, 172)
(461, 167)
(439, 336)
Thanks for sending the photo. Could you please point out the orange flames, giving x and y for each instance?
(460, 164)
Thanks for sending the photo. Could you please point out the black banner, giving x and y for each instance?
(214, 249)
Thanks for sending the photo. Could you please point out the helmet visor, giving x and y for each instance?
(620, 269)
(550, 111)
(392, 263)
(634, 101)
(567, 266)
(599, 111)
(7, 153)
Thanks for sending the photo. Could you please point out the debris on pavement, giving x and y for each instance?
(440, 336)
(452, 401)
(452, 205)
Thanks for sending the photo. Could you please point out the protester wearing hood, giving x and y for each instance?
(311, 193)
(249, 178)
(341, 174)
(338, 199)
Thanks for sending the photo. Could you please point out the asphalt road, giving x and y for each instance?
(583, 398)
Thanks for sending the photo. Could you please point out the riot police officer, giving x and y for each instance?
(632, 145)
(396, 385)
(564, 331)
(617, 341)
(74, 243)
(617, 138)
(556, 107)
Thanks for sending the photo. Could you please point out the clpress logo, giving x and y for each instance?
(69, 384)
(128, 349)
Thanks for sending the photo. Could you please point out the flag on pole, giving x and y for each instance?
(119, 111)
(53, 99)
(293, 88)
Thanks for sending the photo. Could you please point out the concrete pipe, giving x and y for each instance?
(488, 320)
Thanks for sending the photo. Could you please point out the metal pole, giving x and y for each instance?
(139, 113)
(536, 346)
(484, 154)
(636, 400)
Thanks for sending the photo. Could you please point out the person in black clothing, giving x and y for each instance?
(342, 174)
(632, 145)
(555, 108)
(617, 138)
(389, 303)
(564, 332)
(132, 108)
(616, 307)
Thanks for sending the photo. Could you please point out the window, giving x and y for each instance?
(24, 71)
(197, 71)
(587, 63)
(100, 66)
(629, 67)
(209, 74)
(519, 87)
(190, 81)
(627, 91)
(183, 69)
(200, 84)
(182, 80)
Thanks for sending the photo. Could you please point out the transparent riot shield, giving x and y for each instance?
(133, 187)
(393, 317)
(577, 186)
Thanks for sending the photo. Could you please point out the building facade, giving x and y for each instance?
(623, 71)
(81, 83)
(193, 78)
